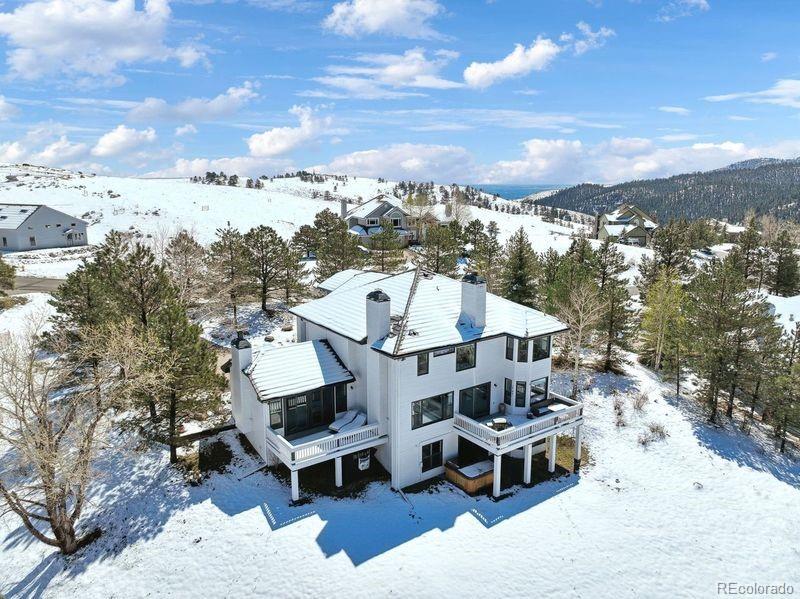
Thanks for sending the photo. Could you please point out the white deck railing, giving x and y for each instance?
(300, 452)
(532, 428)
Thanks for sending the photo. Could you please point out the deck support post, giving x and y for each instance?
(526, 475)
(496, 481)
(551, 458)
(338, 471)
(295, 485)
(577, 461)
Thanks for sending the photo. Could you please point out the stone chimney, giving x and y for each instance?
(343, 208)
(379, 315)
(241, 358)
(473, 299)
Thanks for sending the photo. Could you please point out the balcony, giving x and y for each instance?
(501, 433)
(322, 445)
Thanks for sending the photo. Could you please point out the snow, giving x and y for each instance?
(705, 505)
(36, 310)
(787, 311)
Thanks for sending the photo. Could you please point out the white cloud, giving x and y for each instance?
(769, 56)
(60, 151)
(736, 117)
(47, 144)
(122, 139)
(671, 137)
(187, 129)
(245, 166)
(380, 76)
(281, 140)
(7, 109)
(679, 110)
(785, 92)
(521, 61)
(88, 39)
(590, 40)
(402, 18)
(195, 109)
(676, 9)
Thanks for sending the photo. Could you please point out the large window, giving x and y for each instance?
(395, 222)
(315, 408)
(474, 402)
(540, 348)
(341, 397)
(465, 357)
(423, 363)
(519, 399)
(276, 413)
(522, 351)
(431, 409)
(507, 391)
(509, 348)
(538, 390)
(432, 456)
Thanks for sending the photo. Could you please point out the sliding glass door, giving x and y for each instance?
(314, 409)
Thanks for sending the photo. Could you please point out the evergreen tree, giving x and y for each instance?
(305, 239)
(193, 385)
(749, 243)
(488, 261)
(440, 251)
(338, 250)
(263, 248)
(386, 252)
(84, 300)
(614, 324)
(6, 277)
(326, 223)
(142, 285)
(492, 230)
(473, 231)
(227, 264)
(662, 318)
(292, 275)
(518, 277)
(185, 265)
(784, 277)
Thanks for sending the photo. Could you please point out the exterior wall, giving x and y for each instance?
(250, 415)
(43, 224)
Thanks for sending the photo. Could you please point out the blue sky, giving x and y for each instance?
(504, 91)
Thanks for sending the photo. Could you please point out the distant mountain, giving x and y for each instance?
(765, 185)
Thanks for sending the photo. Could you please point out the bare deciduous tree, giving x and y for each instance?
(54, 416)
(580, 311)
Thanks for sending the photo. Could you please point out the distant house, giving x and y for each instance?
(627, 224)
(365, 220)
(36, 227)
(426, 375)
(731, 232)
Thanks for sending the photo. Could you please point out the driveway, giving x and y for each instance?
(34, 285)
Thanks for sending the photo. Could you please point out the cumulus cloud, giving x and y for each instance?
(401, 18)
(187, 129)
(379, 76)
(521, 61)
(677, 9)
(122, 139)
(785, 92)
(7, 109)
(282, 140)
(88, 40)
(45, 144)
(195, 109)
(679, 110)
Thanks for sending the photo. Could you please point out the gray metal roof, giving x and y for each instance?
(429, 313)
(13, 215)
(295, 368)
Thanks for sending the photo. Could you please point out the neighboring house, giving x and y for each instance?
(731, 232)
(35, 227)
(364, 220)
(627, 224)
(421, 372)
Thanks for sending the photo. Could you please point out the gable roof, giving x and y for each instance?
(426, 314)
(296, 368)
(13, 215)
(381, 203)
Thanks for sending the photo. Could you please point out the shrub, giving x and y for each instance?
(640, 400)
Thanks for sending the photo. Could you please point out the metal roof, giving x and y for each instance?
(349, 278)
(367, 208)
(13, 215)
(296, 368)
(426, 314)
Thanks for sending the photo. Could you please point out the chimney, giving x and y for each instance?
(379, 315)
(241, 358)
(343, 208)
(473, 299)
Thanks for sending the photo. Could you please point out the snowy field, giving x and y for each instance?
(671, 520)
(157, 208)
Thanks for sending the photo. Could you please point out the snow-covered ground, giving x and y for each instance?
(673, 519)
(160, 207)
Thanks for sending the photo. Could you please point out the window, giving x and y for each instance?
(507, 391)
(522, 352)
(465, 357)
(276, 413)
(538, 390)
(371, 222)
(540, 348)
(509, 348)
(33, 241)
(432, 409)
(341, 397)
(443, 352)
(423, 361)
(5, 242)
(396, 222)
(58, 225)
(474, 402)
(519, 400)
(431, 456)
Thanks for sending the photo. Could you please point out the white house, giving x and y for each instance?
(416, 370)
(626, 224)
(34, 226)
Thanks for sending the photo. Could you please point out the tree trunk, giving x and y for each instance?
(263, 295)
(173, 448)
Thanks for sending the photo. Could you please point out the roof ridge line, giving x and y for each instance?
(406, 313)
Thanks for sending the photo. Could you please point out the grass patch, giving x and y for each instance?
(9, 301)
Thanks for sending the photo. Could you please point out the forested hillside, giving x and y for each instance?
(765, 186)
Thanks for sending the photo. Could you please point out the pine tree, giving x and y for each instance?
(488, 261)
(6, 277)
(193, 385)
(306, 240)
(662, 318)
(326, 223)
(440, 251)
(473, 231)
(291, 277)
(784, 277)
(227, 266)
(338, 250)
(185, 265)
(386, 252)
(142, 284)
(614, 324)
(518, 277)
(263, 248)
(84, 300)
(749, 242)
